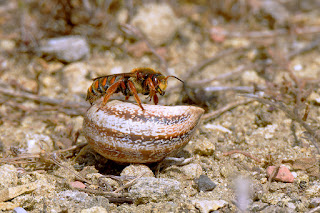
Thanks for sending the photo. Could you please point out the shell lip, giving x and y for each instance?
(134, 106)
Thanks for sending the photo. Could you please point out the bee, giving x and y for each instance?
(140, 80)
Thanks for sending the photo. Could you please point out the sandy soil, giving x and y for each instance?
(266, 49)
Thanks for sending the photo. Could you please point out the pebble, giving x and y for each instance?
(206, 206)
(204, 147)
(67, 49)
(8, 176)
(76, 72)
(272, 198)
(66, 171)
(12, 192)
(137, 170)
(149, 189)
(284, 174)
(250, 76)
(277, 11)
(297, 67)
(108, 183)
(75, 201)
(157, 21)
(315, 202)
(313, 190)
(204, 183)
(19, 210)
(216, 127)
(5, 206)
(95, 209)
(228, 170)
(37, 142)
(169, 207)
(257, 206)
(314, 97)
(78, 184)
(274, 208)
(295, 175)
(291, 206)
(191, 171)
(263, 119)
(7, 45)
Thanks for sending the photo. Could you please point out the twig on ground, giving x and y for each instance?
(130, 183)
(292, 115)
(227, 75)
(119, 178)
(243, 153)
(272, 176)
(218, 112)
(236, 89)
(42, 99)
(294, 133)
(168, 161)
(67, 111)
(76, 107)
(312, 45)
(25, 157)
(195, 69)
(111, 196)
(316, 209)
(269, 33)
(53, 158)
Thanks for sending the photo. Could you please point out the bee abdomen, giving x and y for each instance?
(98, 88)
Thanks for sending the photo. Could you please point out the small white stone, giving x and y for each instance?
(206, 206)
(66, 48)
(314, 97)
(157, 21)
(297, 67)
(295, 175)
(250, 76)
(137, 170)
(7, 45)
(37, 142)
(217, 127)
(291, 205)
(192, 170)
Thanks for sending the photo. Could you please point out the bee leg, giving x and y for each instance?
(151, 95)
(110, 91)
(152, 90)
(155, 99)
(135, 94)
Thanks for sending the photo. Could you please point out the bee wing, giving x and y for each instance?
(105, 76)
(120, 74)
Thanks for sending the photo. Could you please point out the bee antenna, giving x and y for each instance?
(174, 77)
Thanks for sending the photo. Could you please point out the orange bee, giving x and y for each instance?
(140, 80)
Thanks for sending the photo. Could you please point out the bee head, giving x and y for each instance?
(160, 83)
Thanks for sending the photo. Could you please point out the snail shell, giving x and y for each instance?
(122, 132)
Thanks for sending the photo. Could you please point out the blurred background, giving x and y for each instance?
(253, 65)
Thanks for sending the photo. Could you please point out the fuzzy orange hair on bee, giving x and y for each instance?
(140, 80)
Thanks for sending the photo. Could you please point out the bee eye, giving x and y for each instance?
(156, 82)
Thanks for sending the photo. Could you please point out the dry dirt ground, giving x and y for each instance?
(252, 65)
